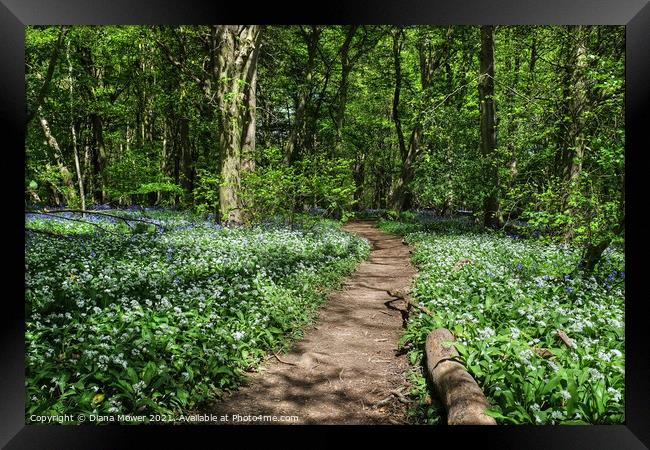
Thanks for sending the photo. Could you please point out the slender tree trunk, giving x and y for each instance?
(45, 87)
(346, 67)
(512, 124)
(492, 217)
(87, 166)
(298, 134)
(98, 157)
(397, 50)
(359, 178)
(429, 63)
(73, 132)
(163, 157)
(250, 120)
(399, 199)
(187, 168)
(80, 179)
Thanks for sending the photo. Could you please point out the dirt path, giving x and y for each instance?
(347, 362)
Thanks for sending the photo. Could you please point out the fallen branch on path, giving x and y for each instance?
(394, 393)
(283, 361)
(407, 299)
(401, 397)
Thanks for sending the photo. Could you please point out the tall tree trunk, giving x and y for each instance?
(234, 73)
(248, 147)
(98, 155)
(430, 61)
(73, 132)
(298, 134)
(80, 179)
(346, 67)
(574, 153)
(492, 217)
(403, 197)
(397, 50)
(398, 195)
(359, 177)
(186, 161)
(512, 124)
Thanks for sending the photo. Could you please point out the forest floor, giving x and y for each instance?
(344, 368)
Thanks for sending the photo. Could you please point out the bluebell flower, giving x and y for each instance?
(569, 290)
(567, 277)
(520, 266)
(622, 275)
(93, 254)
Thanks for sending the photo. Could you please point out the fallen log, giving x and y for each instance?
(458, 391)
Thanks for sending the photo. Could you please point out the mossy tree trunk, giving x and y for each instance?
(235, 75)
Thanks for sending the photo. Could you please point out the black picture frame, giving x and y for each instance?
(16, 14)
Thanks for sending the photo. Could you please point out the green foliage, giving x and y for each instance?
(329, 183)
(206, 192)
(280, 190)
(149, 188)
(135, 174)
(576, 212)
(272, 191)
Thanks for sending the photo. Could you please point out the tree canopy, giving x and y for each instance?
(522, 125)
